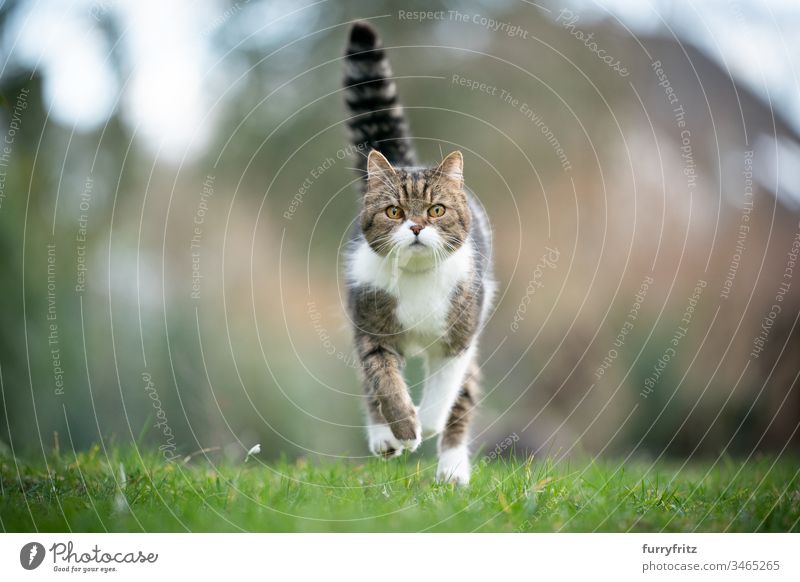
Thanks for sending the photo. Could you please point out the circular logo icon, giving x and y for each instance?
(31, 555)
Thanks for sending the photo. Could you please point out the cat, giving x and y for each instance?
(418, 272)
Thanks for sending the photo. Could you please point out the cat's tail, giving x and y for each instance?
(376, 118)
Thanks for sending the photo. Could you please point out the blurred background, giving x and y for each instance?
(175, 187)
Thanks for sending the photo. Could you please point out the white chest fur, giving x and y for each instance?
(423, 295)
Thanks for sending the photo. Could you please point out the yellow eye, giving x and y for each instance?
(394, 212)
(436, 210)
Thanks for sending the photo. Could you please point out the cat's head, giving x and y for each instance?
(421, 214)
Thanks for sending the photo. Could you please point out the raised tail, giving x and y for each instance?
(377, 120)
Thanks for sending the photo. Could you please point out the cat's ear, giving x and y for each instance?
(378, 169)
(452, 168)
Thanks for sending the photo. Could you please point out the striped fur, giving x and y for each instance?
(377, 120)
(419, 273)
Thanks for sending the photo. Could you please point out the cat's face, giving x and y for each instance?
(419, 215)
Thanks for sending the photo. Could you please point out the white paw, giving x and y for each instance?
(383, 443)
(454, 466)
(413, 444)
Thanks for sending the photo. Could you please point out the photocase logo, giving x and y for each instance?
(31, 555)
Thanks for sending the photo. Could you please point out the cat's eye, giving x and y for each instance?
(436, 211)
(394, 212)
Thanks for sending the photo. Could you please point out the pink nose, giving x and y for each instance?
(416, 228)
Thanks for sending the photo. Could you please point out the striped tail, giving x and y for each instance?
(377, 120)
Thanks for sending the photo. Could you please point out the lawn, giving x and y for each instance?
(128, 490)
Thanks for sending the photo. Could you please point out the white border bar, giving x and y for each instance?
(412, 557)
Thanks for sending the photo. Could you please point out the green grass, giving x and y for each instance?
(82, 494)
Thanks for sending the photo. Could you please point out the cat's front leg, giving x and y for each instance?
(454, 464)
(393, 418)
(444, 380)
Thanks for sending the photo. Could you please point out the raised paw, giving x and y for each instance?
(408, 431)
(382, 443)
(454, 466)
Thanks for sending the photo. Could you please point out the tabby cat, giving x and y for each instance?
(418, 272)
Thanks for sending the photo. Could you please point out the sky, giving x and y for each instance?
(169, 92)
(756, 40)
